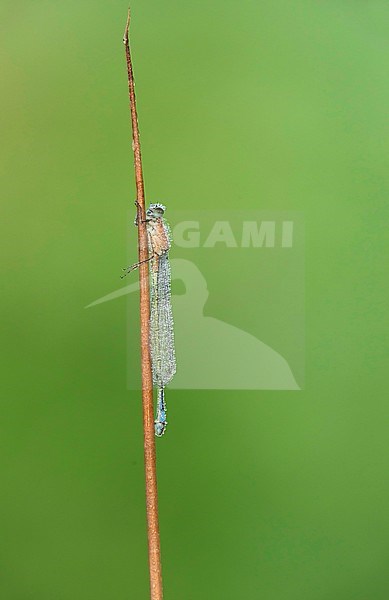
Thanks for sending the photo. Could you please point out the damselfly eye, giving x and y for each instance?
(157, 209)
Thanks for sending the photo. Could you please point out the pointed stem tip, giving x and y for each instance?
(125, 36)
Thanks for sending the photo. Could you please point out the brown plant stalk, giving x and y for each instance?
(147, 383)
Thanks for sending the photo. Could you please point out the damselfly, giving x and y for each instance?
(163, 359)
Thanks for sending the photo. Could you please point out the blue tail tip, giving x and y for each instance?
(159, 428)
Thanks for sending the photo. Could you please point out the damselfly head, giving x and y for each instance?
(155, 210)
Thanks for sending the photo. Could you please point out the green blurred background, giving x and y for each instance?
(276, 106)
